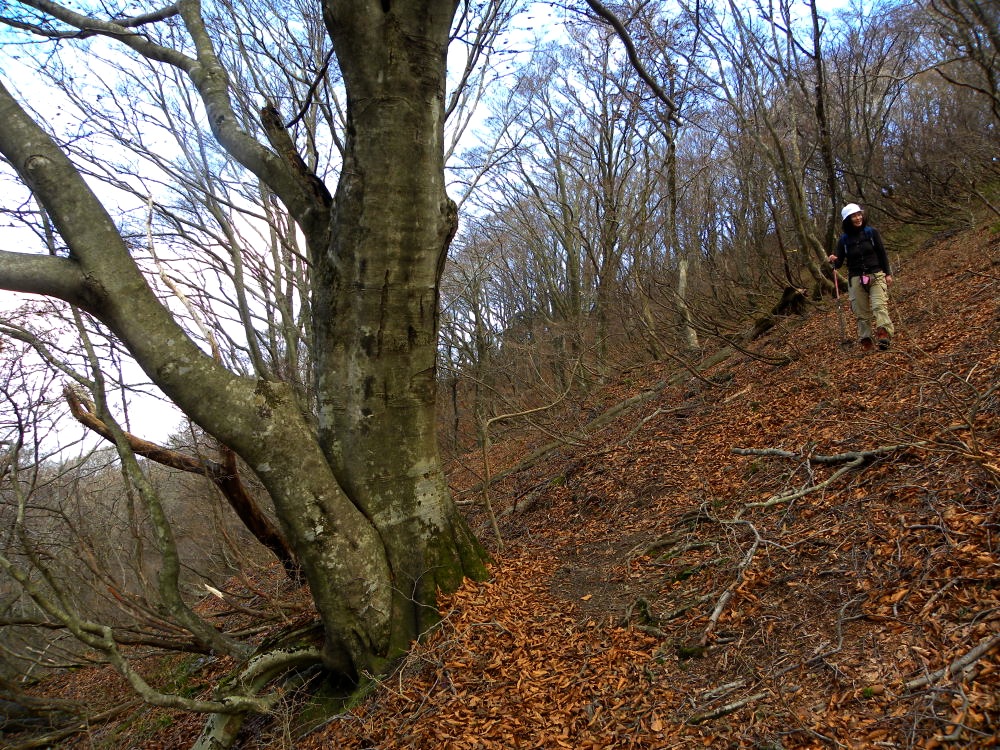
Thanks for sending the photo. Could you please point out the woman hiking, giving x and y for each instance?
(869, 277)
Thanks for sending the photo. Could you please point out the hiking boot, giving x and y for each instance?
(867, 344)
(883, 338)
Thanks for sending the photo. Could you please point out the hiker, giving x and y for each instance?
(869, 277)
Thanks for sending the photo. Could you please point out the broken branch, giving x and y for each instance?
(985, 646)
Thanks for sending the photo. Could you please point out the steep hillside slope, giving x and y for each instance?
(767, 556)
(775, 556)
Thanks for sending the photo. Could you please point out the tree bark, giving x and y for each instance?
(338, 548)
(376, 300)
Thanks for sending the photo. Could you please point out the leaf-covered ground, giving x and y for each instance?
(769, 556)
(663, 591)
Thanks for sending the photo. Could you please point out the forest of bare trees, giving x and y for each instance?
(610, 226)
(224, 204)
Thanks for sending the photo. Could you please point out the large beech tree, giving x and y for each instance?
(355, 478)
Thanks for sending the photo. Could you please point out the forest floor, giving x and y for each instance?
(769, 555)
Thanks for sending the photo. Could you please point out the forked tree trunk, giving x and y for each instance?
(376, 300)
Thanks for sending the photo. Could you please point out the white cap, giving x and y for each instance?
(849, 210)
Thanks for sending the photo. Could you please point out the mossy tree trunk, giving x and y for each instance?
(376, 298)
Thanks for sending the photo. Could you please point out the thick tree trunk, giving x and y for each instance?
(376, 301)
(339, 549)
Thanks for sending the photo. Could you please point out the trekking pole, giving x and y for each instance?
(840, 310)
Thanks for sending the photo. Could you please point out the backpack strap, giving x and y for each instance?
(869, 235)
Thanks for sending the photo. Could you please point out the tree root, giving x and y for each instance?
(222, 729)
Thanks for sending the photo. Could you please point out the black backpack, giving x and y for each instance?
(869, 235)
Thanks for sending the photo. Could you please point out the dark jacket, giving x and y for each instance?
(863, 250)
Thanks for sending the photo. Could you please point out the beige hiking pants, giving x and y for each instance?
(871, 305)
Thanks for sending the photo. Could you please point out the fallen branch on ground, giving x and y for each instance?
(788, 497)
(835, 458)
(728, 593)
(853, 459)
(726, 709)
(985, 646)
(52, 739)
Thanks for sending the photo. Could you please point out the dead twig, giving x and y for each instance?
(726, 709)
(740, 576)
(971, 657)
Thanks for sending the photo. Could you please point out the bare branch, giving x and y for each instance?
(602, 10)
(225, 476)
